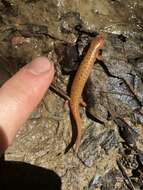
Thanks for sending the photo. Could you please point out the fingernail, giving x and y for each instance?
(39, 65)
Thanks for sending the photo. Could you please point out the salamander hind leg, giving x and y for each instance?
(82, 102)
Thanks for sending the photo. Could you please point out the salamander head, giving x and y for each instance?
(99, 41)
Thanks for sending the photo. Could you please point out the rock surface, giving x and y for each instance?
(61, 30)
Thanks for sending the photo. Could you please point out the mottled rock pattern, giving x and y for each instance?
(114, 91)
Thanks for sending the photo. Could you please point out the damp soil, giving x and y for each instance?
(111, 153)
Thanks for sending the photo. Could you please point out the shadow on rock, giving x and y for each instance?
(20, 173)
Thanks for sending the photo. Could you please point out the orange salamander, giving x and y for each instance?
(79, 81)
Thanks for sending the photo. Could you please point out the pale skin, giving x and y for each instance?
(20, 95)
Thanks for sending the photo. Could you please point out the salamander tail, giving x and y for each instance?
(78, 123)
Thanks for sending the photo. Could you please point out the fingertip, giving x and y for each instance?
(40, 65)
(22, 93)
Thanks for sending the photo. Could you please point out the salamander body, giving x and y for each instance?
(80, 79)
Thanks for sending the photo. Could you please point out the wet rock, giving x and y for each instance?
(95, 93)
(30, 30)
(126, 132)
(125, 176)
(10, 7)
(130, 166)
(106, 182)
(69, 21)
(110, 179)
(116, 61)
(70, 59)
(120, 65)
(121, 100)
(138, 87)
(74, 53)
(140, 159)
(43, 141)
(94, 146)
(137, 63)
(95, 182)
(128, 160)
(137, 116)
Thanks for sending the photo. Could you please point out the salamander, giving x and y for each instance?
(79, 81)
